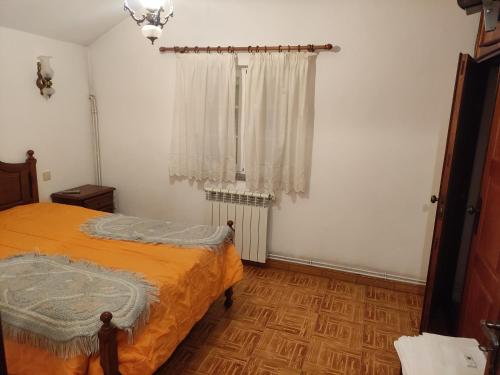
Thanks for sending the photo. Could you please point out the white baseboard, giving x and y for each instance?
(359, 271)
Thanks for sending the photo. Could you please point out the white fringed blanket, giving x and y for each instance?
(130, 228)
(54, 303)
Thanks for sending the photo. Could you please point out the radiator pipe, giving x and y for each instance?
(96, 142)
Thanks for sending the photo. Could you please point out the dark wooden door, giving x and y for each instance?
(482, 289)
(452, 200)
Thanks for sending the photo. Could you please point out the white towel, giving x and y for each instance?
(440, 355)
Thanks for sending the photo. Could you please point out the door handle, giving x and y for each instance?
(491, 331)
(471, 210)
(476, 212)
(440, 207)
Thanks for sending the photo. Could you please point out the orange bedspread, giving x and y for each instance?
(189, 281)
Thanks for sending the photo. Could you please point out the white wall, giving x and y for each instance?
(382, 111)
(58, 129)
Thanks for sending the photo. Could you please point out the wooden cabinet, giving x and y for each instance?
(100, 198)
(487, 42)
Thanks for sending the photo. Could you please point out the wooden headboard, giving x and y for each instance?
(18, 183)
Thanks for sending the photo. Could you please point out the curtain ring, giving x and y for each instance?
(196, 49)
(257, 49)
(265, 49)
(279, 48)
(208, 49)
(185, 49)
(310, 47)
(219, 49)
(229, 49)
(300, 47)
(249, 49)
(289, 48)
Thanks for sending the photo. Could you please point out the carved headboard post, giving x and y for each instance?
(108, 347)
(18, 183)
(34, 183)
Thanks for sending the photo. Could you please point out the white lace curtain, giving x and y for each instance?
(279, 117)
(203, 136)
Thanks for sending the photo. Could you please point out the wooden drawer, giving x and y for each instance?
(110, 209)
(100, 202)
(66, 201)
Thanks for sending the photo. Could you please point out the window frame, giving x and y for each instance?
(241, 75)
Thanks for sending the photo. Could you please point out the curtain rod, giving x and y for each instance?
(249, 49)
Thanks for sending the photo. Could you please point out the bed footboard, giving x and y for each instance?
(108, 348)
(3, 361)
(229, 298)
(229, 292)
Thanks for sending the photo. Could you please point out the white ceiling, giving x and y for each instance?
(77, 21)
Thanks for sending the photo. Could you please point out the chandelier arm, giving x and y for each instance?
(158, 16)
(166, 19)
(139, 21)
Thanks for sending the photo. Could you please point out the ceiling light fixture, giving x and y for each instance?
(152, 19)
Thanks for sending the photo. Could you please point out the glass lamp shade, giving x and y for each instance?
(45, 69)
(48, 92)
(152, 5)
(151, 32)
(169, 6)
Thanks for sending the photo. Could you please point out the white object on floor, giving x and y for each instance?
(439, 355)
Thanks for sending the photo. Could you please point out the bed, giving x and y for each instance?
(189, 280)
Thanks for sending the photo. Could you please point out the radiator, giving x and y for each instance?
(249, 212)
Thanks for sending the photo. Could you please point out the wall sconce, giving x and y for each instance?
(45, 74)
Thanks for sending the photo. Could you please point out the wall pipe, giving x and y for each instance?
(96, 141)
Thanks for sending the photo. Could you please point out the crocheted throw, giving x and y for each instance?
(121, 227)
(55, 304)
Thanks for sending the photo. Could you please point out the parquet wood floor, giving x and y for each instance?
(286, 323)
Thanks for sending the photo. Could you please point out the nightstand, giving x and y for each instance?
(98, 198)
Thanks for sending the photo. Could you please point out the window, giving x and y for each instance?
(241, 74)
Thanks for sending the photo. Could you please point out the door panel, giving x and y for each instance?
(463, 63)
(479, 305)
(456, 174)
(490, 231)
(482, 291)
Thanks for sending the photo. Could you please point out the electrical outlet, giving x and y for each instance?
(46, 176)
